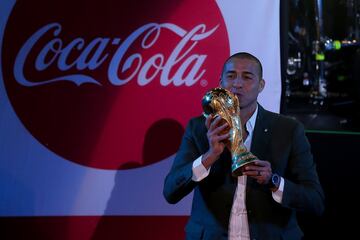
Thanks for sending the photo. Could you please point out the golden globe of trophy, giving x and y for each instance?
(221, 102)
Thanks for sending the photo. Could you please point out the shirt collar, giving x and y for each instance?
(250, 124)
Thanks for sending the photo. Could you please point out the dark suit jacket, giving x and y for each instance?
(277, 139)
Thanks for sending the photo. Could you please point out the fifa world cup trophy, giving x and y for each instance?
(221, 102)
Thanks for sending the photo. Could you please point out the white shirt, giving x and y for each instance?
(238, 222)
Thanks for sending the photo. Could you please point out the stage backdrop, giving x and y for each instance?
(95, 96)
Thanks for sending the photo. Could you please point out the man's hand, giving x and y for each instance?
(260, 170)
(217, 133)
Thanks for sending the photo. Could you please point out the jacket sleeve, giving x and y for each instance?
(178, 183)
(302, 189)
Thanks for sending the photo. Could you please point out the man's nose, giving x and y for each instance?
(238, 82)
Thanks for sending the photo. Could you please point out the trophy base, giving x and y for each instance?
(240, 162)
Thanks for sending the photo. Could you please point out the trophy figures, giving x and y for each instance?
(223, 103)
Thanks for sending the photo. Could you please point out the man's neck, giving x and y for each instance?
(247, 112)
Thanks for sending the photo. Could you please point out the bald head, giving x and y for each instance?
(248, 56)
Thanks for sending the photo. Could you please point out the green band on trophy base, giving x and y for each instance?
(239, 163)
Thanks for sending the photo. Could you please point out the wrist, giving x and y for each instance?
(208, 159)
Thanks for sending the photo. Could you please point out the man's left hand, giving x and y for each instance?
(260, 170)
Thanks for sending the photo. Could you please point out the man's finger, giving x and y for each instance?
(222, 137)
(220, 128)
(215, 122)
(208, 121)
(261, 163)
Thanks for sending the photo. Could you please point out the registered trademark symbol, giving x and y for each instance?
(203, 83)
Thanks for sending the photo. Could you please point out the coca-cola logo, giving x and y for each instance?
(111, 84)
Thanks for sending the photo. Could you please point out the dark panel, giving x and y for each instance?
(338, 164)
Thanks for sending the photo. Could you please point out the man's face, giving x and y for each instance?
(241, 77)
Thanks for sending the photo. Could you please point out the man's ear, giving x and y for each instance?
(261, 85)
(221, 82)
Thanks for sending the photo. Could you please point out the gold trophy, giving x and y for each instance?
(223, 103)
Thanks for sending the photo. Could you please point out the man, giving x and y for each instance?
(262, 203)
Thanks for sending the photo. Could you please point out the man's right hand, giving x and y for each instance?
(218, 131)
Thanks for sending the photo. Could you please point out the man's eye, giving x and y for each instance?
(230, 76)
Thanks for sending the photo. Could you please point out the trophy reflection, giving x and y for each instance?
(223, 103)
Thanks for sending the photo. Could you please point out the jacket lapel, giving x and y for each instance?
(261, 135)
